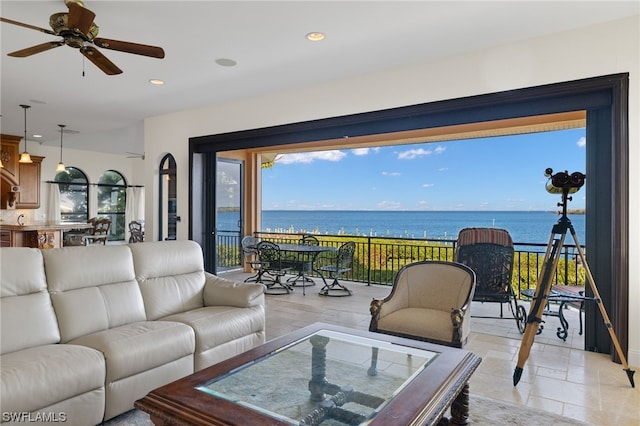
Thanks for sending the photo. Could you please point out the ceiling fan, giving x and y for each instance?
(79, 31)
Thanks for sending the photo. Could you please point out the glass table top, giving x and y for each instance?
(325, 378)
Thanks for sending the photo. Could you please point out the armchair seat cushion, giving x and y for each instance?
(44, 375)
(141, 346)
(418, 322)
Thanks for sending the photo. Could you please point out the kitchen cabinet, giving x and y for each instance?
(20, 182)
(29, 195)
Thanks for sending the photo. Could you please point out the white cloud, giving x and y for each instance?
(414, 153)
(309, 157)
(360, 151)
(427, 185)
(443, 169)
(582, 142)
(440, 149)
(390, 173)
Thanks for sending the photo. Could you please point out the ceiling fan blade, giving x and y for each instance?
(100, 60)
(31, 27)
(79, 18)
(128, 47)
(36, 49)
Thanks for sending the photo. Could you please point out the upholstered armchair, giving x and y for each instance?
(429, 301)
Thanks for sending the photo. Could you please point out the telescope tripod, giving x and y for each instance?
(543, 287)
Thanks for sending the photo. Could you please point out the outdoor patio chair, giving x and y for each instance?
(489, 252)
(337, 268)
(273, 264)
(250, 257)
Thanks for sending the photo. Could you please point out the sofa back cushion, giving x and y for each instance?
(27, 317)
(92, 288)
(171, 276)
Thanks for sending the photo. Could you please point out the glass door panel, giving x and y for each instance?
(229, 214)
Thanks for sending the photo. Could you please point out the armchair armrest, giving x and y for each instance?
(223, 292)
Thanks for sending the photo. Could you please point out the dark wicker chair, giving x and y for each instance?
(489, 252)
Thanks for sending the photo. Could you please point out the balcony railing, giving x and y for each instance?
(378, 259)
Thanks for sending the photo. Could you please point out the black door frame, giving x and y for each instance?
(604, 98)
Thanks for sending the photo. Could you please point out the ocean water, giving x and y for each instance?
(524, 226)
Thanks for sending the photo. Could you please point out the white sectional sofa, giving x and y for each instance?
(86, 331)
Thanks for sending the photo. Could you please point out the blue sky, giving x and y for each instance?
(499, 173)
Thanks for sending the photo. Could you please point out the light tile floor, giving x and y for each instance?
(559, 377)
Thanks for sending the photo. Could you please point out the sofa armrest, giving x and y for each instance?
(223, 292)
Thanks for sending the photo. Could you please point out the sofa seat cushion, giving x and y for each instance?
(216, 325)
(433, 324)
(40, 376)
(141, 346)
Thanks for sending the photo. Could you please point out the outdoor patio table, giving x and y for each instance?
(304, 259)
(562, 297)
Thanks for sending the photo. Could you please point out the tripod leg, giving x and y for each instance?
(539, 301)
(603, 311)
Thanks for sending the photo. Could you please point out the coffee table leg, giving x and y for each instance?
(460, 407)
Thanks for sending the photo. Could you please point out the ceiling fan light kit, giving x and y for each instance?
(78, 30)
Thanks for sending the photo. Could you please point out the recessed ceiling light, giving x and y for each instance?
(156, 81)
(315, 36)
(226, 62)
(36, 136)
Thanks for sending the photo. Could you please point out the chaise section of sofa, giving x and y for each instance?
(227, 317)
(41, 379)
(99, 305)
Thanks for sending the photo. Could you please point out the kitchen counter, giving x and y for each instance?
(36, 234)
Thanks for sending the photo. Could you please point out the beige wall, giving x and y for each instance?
(598, 50)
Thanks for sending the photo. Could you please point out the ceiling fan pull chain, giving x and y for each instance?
(83, 66)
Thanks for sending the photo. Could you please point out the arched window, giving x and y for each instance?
(74, 195)
(112, 201)
(168, 218)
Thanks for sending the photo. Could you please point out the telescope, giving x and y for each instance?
(563, 182)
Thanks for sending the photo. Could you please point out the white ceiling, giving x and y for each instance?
(265, 38)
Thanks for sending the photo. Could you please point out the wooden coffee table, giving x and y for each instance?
(322, 374)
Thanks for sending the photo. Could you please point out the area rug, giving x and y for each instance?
(482, 411)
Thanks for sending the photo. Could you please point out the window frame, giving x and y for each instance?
(117, 216)
(77, 215)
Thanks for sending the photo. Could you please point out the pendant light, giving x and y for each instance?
(25, 157)
(61, 167)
